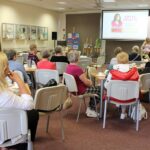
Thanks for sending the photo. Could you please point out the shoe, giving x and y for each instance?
(123, 116)
(91, 113)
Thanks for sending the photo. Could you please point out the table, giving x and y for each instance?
(100, 76)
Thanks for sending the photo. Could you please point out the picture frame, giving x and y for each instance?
(8, 31)
(33, 32)
(21, 32)
(43, 33)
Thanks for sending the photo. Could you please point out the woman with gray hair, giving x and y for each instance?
(135, 56)
(84, 85)
(44, 63)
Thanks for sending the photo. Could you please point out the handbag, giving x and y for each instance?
(51, 82)
(68, 103)
(142, 113)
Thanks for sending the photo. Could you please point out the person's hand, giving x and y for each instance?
(14, 76)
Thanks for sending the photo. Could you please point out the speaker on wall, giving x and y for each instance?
(54, 35)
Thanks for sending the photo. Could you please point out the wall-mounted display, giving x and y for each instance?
(21, 32)
(42, 33)
(7, 31)
(33, 32)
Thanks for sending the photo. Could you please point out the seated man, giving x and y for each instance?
(15, 65)
(45, 63)
(59, 57)
(83, 83)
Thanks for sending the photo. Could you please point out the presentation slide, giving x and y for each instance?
(125, 25)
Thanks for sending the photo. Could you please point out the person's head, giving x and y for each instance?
(135, 49)
(33, 49)
(117, 17)
(45, 54)
(4, 70)
(11, 54)
(123, 58)
(117, 50)
(58, 50)
(73, 56)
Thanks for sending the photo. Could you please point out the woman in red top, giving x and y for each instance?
(45, 63)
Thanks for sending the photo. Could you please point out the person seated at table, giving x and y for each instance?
(135, 56)
(32, 54)
(59, 57)
(23, 100)
(113, 61)
(44, 63)
(84, 85)
(122, 71)
(15, 65)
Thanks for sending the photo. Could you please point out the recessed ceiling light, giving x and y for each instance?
(60, 8)
(143, 5)
(62, 3)
(109, 1)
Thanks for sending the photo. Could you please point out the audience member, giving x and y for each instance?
(15, 65)
(135, 56)
(83, 83)
(146, 49)
(122, 71)
(113, 61)
(10, 100)
(59, 57)
(32, 54)
(45, 63)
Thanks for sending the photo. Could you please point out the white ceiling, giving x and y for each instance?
(86, 5)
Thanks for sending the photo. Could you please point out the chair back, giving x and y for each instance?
(84, 62)
(49, 98)
(44, 75)
(25, 57)
(101, 60)
(145, 81)
(123, 90)
(20, 74)
(13, 122)
(61, 67)
(20, 59)
(70, 82)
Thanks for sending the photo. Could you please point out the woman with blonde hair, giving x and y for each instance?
(122, 71)
(135, 56)
(8, 99)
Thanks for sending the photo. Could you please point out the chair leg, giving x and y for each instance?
(96, 108)
(47, 125)
(137, 116)
(30, 144)
(105, 113)
(79, 110)
(62, 126)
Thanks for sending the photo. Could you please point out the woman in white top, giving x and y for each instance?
(8, 99)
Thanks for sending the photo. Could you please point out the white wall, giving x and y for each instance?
(11, 12)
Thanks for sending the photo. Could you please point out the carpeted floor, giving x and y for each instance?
(88, 134)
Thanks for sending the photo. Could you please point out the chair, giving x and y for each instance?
(42, 76)
(84, 62)
(14, 128)
(145, 83)
(122, 93)
(48, 99)
(20, 74)
(72, 88)
(20, 59)
(61, 67)
(101, 60)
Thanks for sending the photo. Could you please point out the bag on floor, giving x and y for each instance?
(142, 113)
(68, 103)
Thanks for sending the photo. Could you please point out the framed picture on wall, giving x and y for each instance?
(7, 31)
(21, 32)
(43, 33)
(33, 32)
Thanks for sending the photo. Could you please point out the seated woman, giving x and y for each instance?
(45, 63)
(113, 61)
(122, 71)
(135, 56)
(83, 83)
(59, 57)
(32, 54)
(10, 100)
